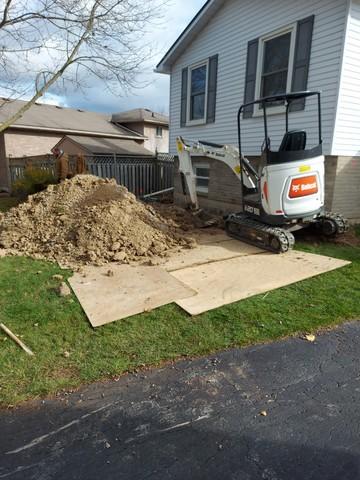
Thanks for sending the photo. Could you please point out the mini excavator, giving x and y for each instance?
(283, 193)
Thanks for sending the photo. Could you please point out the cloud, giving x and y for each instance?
(155, 95)
(154, 88)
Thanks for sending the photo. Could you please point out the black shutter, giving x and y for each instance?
(250, 76)
(302, 60)
(184, 85)
(212, 86)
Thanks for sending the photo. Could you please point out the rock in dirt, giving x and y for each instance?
(57, 277)
(88, 220)
(64, 290)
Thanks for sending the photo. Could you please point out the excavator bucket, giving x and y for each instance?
(204, 220)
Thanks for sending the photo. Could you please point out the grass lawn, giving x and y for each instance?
(51, 325)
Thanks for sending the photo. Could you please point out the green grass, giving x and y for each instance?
(51, 325)
(8, 202)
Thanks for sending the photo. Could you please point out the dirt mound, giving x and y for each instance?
(88, 220)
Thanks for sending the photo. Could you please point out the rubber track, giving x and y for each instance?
(342, 225)
(286, 238)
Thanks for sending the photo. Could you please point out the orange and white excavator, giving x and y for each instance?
(285, 193)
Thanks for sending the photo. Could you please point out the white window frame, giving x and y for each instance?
(156, 132)
(200, 121)
(201, 189)
(262, 40)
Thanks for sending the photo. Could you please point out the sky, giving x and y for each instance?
(155, 95)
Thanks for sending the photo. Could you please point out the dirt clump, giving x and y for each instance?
(89, 220)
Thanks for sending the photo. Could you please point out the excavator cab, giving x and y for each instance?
(286, 169)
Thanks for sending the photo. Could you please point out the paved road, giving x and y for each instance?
(200, 419)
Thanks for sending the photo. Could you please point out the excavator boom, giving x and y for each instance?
(226, 154)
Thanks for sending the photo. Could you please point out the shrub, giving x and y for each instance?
(33, 181)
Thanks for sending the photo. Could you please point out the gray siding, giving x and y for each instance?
(227, 34)
(347, 129)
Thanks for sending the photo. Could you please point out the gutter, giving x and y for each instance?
(77, 132)
(159, 122)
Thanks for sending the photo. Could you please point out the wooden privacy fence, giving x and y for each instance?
(140, 175)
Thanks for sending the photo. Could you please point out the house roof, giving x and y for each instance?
(52, 118)
(140, 115)
(187, 36)
(99, 145)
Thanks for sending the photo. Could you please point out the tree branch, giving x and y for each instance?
(55, 76)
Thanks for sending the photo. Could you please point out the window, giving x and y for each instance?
(275, 63)
(197, 93)
(202, 173)
(159, 132)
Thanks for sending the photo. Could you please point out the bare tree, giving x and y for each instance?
(44, 42)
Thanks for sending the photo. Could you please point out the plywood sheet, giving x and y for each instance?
(209, 252)
(128, 291)
(228, 281)
(210, 235)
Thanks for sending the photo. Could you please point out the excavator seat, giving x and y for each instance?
(293, 140)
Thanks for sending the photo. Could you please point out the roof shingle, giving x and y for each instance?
(67, 120)
(100, 145)
(140, 115)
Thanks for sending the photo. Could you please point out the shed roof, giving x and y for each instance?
(140, 115)
(102, 145)
(65, 120)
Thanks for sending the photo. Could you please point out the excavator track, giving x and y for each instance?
(274, 239)
(332, 224)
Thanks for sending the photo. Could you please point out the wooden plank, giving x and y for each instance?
(16, 339)
(128, 291)
(228, 281)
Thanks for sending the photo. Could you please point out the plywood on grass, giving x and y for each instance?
(210, 235)
(209, 252)
(228, 281)
(128, 291)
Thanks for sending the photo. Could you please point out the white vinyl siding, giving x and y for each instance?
(227, 34)
(347, 128)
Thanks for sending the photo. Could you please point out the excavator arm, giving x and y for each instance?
(227, 154)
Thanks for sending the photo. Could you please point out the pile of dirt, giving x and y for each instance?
(88, 220)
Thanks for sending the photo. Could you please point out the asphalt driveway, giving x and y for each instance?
(288, 410)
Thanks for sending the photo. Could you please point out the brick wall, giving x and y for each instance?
(4, 171)
(72, 148)
(224, 187)
(20, 143)
(346, 194)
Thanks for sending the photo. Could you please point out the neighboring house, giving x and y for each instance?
(43, 126)
(234, 51)
(77, 144)
(154, 126)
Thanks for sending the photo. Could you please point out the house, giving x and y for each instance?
(234, 51)
(43, 126)
(79, 144)
(154, 126)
